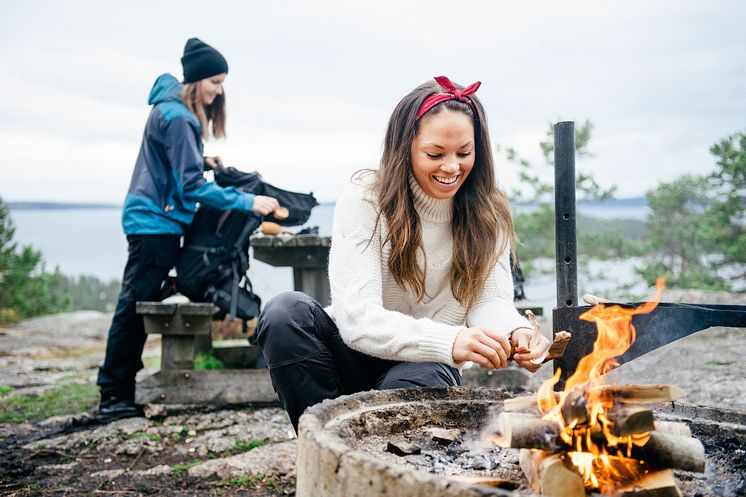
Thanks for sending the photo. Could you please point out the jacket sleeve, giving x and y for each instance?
(494, 308)
(185, 156)
(356, 281)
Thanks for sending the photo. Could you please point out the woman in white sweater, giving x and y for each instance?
(419, 267)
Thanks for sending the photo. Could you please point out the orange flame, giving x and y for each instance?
(601, 457)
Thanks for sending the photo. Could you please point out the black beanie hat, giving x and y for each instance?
(201, 61)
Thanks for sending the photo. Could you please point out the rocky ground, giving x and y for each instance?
(182, 450)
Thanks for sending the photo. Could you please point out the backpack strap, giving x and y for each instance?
(241, 260)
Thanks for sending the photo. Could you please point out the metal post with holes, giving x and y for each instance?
(564, 205)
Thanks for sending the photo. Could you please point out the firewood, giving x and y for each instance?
(487, 481)
(557, 349)
(630, 420)
(638, 394)
(524, 431)
(519, 403)
(673, 427)
(665, 450)
(548, 474)
(594, 300)
(574, 408)
(654, 484)
(626, 394)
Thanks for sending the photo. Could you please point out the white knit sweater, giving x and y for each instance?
(375, 316)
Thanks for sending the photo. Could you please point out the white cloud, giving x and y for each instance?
(311, 84)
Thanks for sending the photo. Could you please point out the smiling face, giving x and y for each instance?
(443, 153)
(211, 87)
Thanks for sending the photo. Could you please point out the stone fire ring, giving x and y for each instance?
(328, 466)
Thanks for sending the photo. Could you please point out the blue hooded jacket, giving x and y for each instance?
(167, 181)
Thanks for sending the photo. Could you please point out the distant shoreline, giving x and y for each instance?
(47, 206)
(617, 202)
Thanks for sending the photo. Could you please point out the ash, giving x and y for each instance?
(467, 457)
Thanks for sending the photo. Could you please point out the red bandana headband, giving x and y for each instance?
(452, 93)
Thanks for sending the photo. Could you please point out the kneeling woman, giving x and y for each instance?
(419, 267)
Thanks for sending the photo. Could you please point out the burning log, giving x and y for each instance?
(626, 394)
(637, 394)
(662, 450)
(630, 420)
(665, 450)
(522, 431)
(548, 474)
(575, 408)
(655, 484)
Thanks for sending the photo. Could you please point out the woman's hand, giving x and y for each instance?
(214, 162)
(482, 346)
(265, 205)
(524, 353)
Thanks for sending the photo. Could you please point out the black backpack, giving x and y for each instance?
(215, 257)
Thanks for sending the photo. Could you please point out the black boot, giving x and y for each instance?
(116, 406)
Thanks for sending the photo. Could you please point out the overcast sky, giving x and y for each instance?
(312, 83)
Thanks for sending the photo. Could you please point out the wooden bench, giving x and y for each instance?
(180, 326)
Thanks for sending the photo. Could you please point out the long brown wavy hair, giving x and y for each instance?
(481, 224)
(213, 114)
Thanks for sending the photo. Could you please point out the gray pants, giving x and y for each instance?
(309, 362)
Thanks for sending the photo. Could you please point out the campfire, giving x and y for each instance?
(599, 437)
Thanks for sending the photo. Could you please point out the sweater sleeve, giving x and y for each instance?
(185, 156)
(356, 281)
(494, 308)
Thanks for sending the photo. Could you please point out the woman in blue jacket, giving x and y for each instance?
(166, 186)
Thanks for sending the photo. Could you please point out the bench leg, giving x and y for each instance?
(313, 282)
(177, 352)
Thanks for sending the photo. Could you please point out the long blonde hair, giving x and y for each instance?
(481, 225)
(206, 114)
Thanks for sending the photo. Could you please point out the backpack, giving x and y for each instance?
(215, 256)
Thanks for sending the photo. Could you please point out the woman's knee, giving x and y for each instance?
(287, 308)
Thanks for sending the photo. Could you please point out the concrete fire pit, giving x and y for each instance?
(345, 446)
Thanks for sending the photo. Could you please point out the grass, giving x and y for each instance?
(718, 363)
(207, 361)
(244, 481)
(4, 390)
(181, 468)
(275, 485)
(245, 446)
(70, 398)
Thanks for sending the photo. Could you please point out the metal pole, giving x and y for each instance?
(564, 214)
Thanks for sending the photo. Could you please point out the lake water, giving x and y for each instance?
(90, 241)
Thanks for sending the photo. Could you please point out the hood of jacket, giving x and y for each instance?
(165, 89)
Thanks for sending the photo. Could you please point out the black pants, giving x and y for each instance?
(150, 259)
(309, 362)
